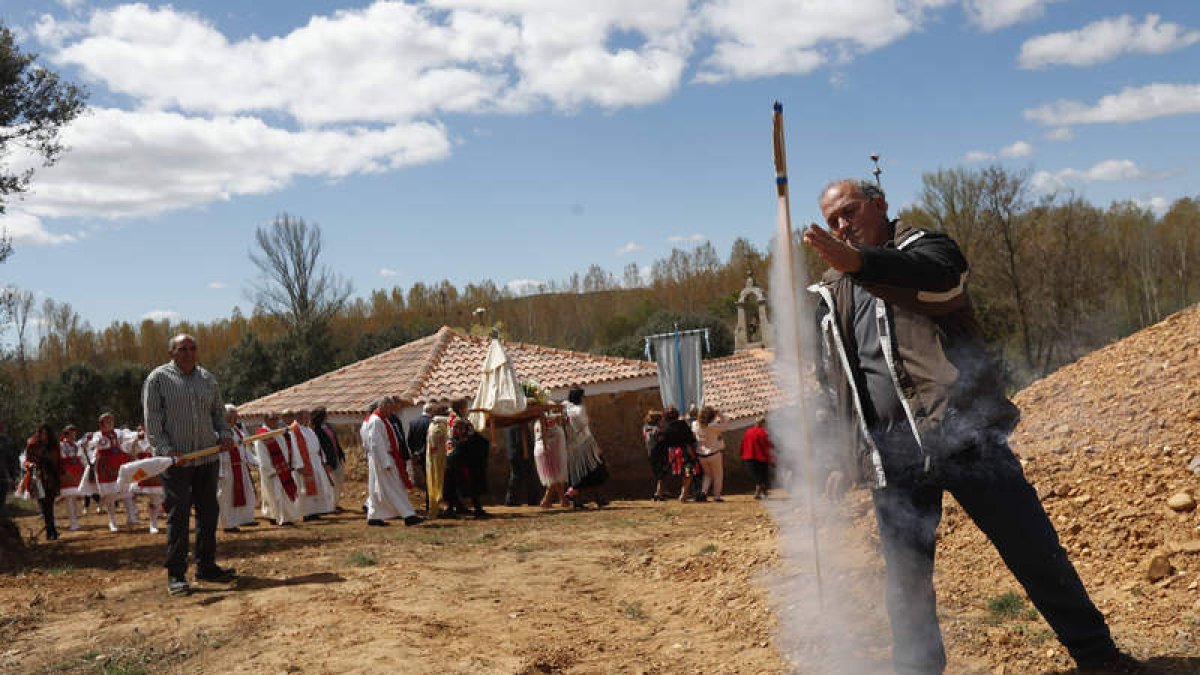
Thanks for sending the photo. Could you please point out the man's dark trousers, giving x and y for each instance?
(988, 482)
(522, 477)
(183, 487)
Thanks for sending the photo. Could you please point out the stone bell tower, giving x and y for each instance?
(753, 329)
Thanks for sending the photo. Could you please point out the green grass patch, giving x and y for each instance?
(525, 547)
(362, 559)
(633, 610)
(59, 570)
(1007, 606)
(707, 549)
(486, 537)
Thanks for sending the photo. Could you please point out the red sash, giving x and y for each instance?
(282, 470)
(235, 464)
(397, 458)
(310, 479)
(109, 457)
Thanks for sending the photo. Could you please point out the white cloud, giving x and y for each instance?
(25, 228)
(524, 286)
(996, 14)
(217, 285)
(1132, 104)
(388, 272)
(761, 38)
(629, 247)
(681, 238)
(1105, 40)
(1060, 134)
(1018, 149)
(1110, 170)
(161, 315)
(976, 156)
(125, 163)
(1159, 205)
(394, 61)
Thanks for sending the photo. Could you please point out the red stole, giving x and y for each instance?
(282, 470)
(235, 464)
(394, 449)
(310, 479)
(109, 457)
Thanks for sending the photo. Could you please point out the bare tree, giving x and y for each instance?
(293, 284)
(18, 305)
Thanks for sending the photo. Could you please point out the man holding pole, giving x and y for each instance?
(910, 375)
(184, 413)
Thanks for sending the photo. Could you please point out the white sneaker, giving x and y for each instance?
(112, 527)
(153, 529)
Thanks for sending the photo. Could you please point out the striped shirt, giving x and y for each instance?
(183, 412)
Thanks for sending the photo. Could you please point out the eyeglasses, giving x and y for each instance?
(846, 212)
(185, 348)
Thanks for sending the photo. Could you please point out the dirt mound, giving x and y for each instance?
(1112, 444)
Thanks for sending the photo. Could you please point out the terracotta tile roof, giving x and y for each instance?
(740, 385)
(444, 365)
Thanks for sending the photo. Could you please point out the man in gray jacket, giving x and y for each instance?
(924, 413)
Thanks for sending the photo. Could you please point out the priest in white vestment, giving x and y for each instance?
(235, 489)
(387, 480)
(308, 446)
(275, 462)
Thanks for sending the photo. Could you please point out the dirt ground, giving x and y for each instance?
(638, 587)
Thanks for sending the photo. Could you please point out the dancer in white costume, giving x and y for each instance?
(235, 489)
(73, 462)
(152, 487)
(108, 450)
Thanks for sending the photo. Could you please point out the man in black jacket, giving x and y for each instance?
(418, 432)
(924, 413)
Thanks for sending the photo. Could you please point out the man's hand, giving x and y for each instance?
(836, 253)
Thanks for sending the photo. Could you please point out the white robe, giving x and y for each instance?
(386, 495)
(91, 483)
(230, 515)
(321, 501)
(276, 504)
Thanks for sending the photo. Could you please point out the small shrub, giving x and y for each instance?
(634, 611)
(707, 549)
(362, 559)
(1008, 605)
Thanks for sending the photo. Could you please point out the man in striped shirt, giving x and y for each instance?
(184, 413)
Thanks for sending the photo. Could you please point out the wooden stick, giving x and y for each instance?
(207, 452)
(786, 249)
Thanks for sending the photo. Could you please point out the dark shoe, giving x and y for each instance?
(701, 497)
(215, 573)
(311, 517)
(447, 513)
(480, 514)
(253, 523)
(232, 529)
(601, 502)
(178, 586)
(375, 522)
(413, 520)
(1116, 663)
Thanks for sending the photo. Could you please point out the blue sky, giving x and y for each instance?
(527, 139)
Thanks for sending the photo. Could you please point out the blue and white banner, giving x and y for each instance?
(680, 381)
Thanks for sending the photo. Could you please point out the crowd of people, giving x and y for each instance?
(692, 450)
(554, 460)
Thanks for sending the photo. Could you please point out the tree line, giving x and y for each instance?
(1052, 278)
